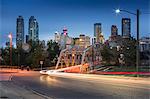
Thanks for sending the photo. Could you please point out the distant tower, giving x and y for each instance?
(114, 30)
(98, 33)
(65, 31)
(19, 32)
(33, 30)
(126, 27)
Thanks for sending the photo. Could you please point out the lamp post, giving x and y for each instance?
(0, 56)
(137, 42)
(10, 38)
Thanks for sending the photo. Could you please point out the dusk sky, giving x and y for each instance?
(78, 16)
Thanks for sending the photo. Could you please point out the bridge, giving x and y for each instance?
(78, 59)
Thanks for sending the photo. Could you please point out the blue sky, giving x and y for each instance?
(77, 15)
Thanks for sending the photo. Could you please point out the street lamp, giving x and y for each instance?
(10, 38)
(117, 11)
(137, 43)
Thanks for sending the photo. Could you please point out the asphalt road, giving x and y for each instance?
(83, 87)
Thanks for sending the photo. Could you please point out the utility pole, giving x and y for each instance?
(10, 38)
(137, 49)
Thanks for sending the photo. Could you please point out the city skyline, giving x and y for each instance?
(78, 16)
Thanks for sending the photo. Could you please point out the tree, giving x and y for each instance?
(5, 54)
(35, 55)
(53, 51)
(129, 51)
(106, 54)
(128, 48)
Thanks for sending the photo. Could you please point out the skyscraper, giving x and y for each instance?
(115, 40)
(114, 30)
(126, 27)
(19, 31)
(33, 30)
(98, 33)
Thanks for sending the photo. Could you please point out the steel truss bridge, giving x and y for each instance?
(78, 59)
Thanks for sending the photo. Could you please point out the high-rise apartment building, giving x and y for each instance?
(19, 31)
(114, 30)
(33, 30)
(126, 27)
(98, 33)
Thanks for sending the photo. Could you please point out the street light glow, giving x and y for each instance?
(117, 11)
(10, 36)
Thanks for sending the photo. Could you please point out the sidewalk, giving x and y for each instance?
(8, 70)
(10, 91)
